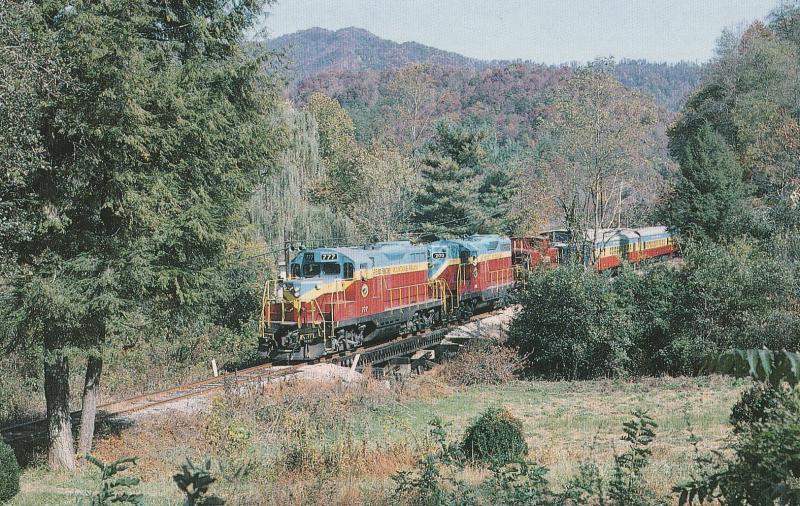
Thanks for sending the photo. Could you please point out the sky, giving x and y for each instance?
(546, 31)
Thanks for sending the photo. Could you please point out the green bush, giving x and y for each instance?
(756, 405)
(519, 484)
(760, 464)
(112, 486)
(572, 325)
(727, 297)
(495, 438)
(433, 482)
(625, 484)
(9, 473)
(194, 481)
(576, 324)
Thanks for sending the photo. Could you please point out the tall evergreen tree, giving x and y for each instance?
(710, 200)
(148, 145)
(495, 198)
(447, 205)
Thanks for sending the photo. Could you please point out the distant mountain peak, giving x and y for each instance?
(354, 30)
(317, 50)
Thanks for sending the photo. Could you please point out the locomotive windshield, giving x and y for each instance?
(312, 269)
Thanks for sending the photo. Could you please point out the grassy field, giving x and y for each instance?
(305, 442)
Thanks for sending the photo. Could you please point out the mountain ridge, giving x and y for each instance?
(316, 51)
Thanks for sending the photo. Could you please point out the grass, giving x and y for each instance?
(361, 436)
(565, 422)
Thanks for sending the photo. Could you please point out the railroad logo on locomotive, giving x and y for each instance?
(364, 290)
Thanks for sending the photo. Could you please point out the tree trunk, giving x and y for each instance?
(91, 393)
(61, 452)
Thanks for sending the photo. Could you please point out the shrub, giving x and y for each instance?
(625, 486)
(495, 438)
(576, 324)
(433, 482)
(572, 325)
(519, 484)
(728, 296)
(760, 464)
(194, 482)
(756, 405)
(226, 432)
(9, 473)
(111, 486)
(481, 362)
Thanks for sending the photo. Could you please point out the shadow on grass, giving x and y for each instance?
(30, 446)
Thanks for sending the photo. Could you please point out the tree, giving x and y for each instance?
(495, 197)
(750, 98)
(785, 21)
(759, 464)
(710, 198)
(597, 141)
(447, 205)
(412, 105)
(386, 203)
(372, 186)
(342, 179)
(286, 200)
(149, 145)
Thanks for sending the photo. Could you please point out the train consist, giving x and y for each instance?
(336, 299)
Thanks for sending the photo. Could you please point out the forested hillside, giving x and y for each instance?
(348, 58)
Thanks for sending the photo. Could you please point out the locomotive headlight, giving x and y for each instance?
(296, 290)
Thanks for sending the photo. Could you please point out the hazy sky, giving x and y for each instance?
(548, 31)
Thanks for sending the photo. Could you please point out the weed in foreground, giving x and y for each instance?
(112, 486)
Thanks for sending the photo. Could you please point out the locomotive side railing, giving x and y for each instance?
(440, 291)
(418, 293)
(412, 294)
(270, 297)
(501, 277)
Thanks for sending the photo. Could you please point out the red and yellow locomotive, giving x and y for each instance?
(336, 299)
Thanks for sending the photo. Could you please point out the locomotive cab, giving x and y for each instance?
(335, 299)
(298, 312)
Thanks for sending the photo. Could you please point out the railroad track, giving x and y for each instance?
(28, 431)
